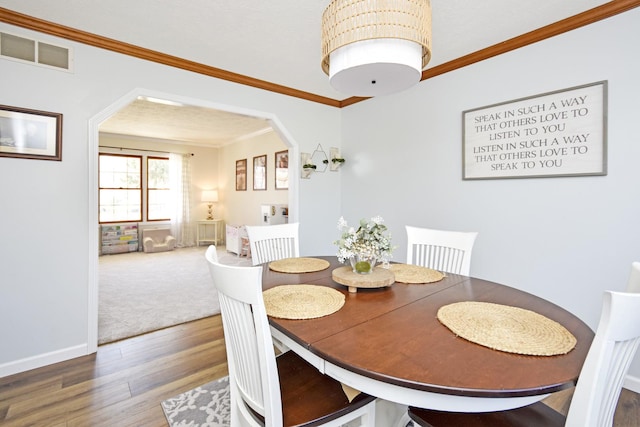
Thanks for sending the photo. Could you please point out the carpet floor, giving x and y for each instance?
(142, 292)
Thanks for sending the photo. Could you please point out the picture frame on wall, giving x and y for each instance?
(260, 172)
(282, 170)
(30, 134)
(555, 134)
(241, 175)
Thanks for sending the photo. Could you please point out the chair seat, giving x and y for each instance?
(308, 396)
(534, 415)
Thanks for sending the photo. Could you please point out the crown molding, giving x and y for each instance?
(590, 16)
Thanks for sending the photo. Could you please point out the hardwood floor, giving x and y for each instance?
(124, 382)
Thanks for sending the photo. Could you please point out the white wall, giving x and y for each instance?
(565, 239)
(47, 258)
(243, 207)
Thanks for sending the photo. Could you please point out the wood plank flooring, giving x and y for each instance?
(124, 382)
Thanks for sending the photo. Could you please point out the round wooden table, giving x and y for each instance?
(389, 343)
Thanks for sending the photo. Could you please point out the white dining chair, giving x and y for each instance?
(274, 391)
(599, 385)
(633, 284)
(273, 242)
(447, 251)
(211, 254)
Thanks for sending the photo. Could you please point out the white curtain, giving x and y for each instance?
(180, 176)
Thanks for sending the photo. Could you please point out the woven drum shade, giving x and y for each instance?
(375, 47)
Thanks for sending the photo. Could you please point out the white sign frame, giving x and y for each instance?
(555, 134)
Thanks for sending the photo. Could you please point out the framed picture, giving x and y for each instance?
(30, 134)
(554, 134)
(260, 172)
(241, 175)
(282, 170)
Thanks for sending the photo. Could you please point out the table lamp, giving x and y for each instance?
(209, 197)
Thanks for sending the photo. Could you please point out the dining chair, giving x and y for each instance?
(599, 384)
(273, 242)
(211, 254)
(274, 391)
(633, 284)
(447, 251)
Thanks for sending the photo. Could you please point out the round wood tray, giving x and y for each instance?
(379, 278)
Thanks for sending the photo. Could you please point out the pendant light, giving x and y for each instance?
(375, 47)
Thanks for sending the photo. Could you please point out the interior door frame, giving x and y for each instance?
(92, 180)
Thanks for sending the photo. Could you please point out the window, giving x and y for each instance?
(120, 188)
(134, 188)
(158, 189)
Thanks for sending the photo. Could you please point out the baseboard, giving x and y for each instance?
(22, 365)
(632, 383)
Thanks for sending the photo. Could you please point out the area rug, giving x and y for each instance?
(204, 406)
(142, 292)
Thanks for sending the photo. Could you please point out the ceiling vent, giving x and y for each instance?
(35, 52)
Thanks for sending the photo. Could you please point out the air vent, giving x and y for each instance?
(35, 52)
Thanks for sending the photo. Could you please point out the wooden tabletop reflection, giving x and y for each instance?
(392, 334)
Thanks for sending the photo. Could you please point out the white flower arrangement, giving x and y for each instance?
(369, 239)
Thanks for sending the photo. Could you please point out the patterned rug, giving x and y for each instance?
(204, 406)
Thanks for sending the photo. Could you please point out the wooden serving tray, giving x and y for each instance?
(378, 278)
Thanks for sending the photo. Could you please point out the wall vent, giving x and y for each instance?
(35, 52)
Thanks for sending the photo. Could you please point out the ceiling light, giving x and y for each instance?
(160, 101)
(375, 47)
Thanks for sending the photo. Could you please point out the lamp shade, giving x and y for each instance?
(375, 47)
(210, 196)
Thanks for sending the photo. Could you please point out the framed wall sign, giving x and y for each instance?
(282, 170)
(241, 175)
(561, 133)
(260, 172)
(30, 134)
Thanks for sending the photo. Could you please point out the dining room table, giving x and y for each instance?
(389, 342)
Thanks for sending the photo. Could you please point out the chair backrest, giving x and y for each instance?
(607, 363)
(633, 284)
(273, 242)
(211, 254)
(253, 372)
(448, 251)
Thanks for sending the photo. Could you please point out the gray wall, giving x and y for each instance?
(565, 239)
(48, 249)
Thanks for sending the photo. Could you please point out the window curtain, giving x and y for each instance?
(180, 176)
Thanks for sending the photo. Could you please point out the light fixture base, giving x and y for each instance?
(376, 67)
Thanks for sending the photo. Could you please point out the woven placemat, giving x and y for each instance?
(299, 265)
(302, 301)
(408, 273)
(506, 328)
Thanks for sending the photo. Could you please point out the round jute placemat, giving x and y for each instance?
(408, 273)
(302, 301)
(299, 265)
(506, 328)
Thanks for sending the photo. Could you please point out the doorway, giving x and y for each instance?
(94, 127)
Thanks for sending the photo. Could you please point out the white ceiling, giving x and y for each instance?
(185, 123)
(277, 41)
